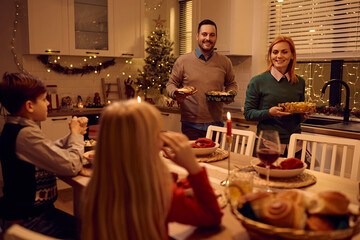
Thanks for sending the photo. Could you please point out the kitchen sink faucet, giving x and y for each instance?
(346, 110)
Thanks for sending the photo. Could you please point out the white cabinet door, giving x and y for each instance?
(129, 29)
(171, 121)
(91, 29)
(48, 27)
(233, 19)
(56, 127)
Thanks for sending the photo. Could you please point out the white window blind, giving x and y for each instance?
(185, 27)
(318, 27)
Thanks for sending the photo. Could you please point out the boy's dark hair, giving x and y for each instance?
(206, 22)
(17, 88)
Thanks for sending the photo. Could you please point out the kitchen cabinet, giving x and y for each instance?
(56, 127)
(234, 24)
(91, 30)
(86, 27)
(48, 27)
(244, 125)
(171, 121)
(129, 32)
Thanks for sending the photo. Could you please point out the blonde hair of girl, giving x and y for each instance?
(291, 66)
(129, 194)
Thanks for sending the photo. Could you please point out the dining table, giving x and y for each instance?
(231, 227)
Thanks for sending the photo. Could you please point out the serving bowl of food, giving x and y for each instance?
(220, 96)
(282, 168)
(296, 214)
(203, 146)
(298, 107)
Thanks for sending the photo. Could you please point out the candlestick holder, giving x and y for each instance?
(229, 142)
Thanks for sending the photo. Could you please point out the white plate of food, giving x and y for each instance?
(277, 172)
(187, 90)
(203, 150)
(90, 155)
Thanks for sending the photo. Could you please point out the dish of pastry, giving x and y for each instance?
(296, 214)
(282, 168)
(189, 90)
(298, 107)
(220, 96)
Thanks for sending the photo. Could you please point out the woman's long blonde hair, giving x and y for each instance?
(291, 66)
(129, 194)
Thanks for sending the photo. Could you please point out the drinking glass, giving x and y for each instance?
(239, 183)
(268, 150)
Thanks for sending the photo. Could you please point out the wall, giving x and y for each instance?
(87, 85)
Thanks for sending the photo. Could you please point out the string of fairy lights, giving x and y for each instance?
(317, 74)
(18, 63)
(154, 6)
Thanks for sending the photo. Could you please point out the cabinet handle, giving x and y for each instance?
(165, 114)
(92, 52)
(58, 119)
(52, 51)
(244, 126)
(127, 54)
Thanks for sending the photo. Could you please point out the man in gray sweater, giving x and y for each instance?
(206, 71)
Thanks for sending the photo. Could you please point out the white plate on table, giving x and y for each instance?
(90, 155)
(203, 151)
(278, 173)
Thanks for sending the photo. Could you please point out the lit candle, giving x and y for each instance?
(108, 102)
(80, 105)
(139, 99)
(228, 124)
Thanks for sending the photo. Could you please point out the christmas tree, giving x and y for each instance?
(159, 61)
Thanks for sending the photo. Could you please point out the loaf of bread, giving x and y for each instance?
(329, 203)
(319, 223)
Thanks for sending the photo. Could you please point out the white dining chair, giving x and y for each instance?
(333, 155)
(17, 232)
(242, 141)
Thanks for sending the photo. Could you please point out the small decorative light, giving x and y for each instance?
(85, 60)
(48, 70)
(108, 75)
(71, 65)
(123, 73)
(139, 99)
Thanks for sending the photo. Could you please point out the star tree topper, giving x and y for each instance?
(159, 23)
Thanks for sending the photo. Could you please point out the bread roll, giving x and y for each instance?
(329, 203)
(257, 201)
(297, 198)
(279, 212)
(319, 223)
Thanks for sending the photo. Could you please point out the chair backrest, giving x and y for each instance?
(329, 154)
(242, 141)
(17, 232)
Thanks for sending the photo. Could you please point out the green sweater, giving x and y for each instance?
(264, 92)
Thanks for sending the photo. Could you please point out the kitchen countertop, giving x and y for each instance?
(338, 130)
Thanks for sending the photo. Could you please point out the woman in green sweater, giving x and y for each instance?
(278, 84)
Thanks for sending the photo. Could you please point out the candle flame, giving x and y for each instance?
(139, 99)
(228, 116)
(108, 101)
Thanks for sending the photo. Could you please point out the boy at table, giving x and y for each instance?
(30, 161)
